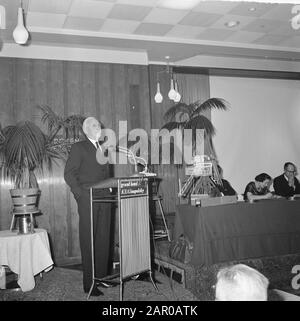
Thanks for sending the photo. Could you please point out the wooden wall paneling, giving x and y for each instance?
(23, 69)
(38, 90)
(145, 114)
(56, 86)
(73, 87)
(74, 94)
(133, 106)
(104, 97)
(89, 107)
(120, 92)
(38, 96)
(7, 116)
(55, 100)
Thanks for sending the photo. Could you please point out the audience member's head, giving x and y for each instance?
(290, 169)
(241, 283)
(263, 180)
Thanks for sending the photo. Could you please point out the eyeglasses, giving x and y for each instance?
(293, 172)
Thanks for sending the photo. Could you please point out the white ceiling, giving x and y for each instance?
(264, 30)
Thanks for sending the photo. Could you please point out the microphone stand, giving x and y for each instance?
(130, 154)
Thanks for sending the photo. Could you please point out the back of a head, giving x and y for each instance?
(262, 177)
(241, 283)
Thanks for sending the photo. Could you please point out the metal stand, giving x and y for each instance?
(30, 213)
(164, 233)
(132, 200)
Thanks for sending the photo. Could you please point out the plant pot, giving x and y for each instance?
(25, 200)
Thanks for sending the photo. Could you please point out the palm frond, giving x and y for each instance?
(173, 125)
(53, 120)
(209, 104)
(200, 122)
(177, 111)
(73, 126)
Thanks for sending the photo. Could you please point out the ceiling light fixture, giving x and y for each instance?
(20, 33)
(231, 24)
(180, 4)
(173, 93)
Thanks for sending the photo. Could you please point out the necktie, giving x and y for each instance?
(97, 145)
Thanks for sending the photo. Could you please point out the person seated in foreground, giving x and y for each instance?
(287, 185)
(259, 189)
(225, 188)
(241, 283)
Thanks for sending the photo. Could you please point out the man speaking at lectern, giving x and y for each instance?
(82, 168)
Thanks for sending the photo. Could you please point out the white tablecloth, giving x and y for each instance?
(26, 255)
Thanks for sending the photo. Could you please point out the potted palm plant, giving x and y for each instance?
(190, 116)
(25, 150)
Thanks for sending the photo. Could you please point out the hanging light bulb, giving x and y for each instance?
(178, 96)
(172, 92)
(20, 33)
(158, 97)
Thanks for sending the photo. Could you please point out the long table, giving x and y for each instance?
(240, 231)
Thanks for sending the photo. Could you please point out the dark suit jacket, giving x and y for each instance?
(82, 167)
(282, 188)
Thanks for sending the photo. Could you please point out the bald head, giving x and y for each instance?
(91, 127)
(241, 283)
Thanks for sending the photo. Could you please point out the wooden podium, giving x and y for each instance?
(132, 200)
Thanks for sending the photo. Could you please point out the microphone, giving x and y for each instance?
(137, 159)
(127, 152)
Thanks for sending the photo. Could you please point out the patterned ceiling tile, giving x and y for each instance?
(263, 25)
(90, 9)
(159, 15)
(244, 37)
(178, 4)
(291, 42)
(200, 19)
(179, 31)
(119, 26)
(153, 29)
(215, 34)
(146, 3)
(244, 9)
(106, 0)
(285, 30)
(128, 12)
(80, 23)
(280, 12)
(242, 22)
(50, 6)
(45, 20)
(220, 7)
(270, 40)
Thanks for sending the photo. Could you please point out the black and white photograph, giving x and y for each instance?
(149, 154)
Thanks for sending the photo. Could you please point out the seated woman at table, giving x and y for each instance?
(259, 189)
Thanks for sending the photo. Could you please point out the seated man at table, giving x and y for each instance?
(241, 283)
(287, 185)
(225, 188)
(259, 189)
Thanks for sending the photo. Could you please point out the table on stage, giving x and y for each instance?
(240, 231)
(26, 255)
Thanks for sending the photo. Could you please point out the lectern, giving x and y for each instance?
(132, 199)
